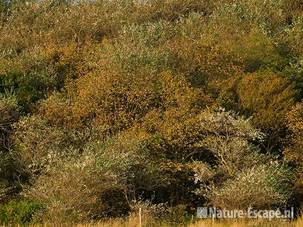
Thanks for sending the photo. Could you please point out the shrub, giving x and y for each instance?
(18, 212)
(9, 113)
(10, 170)
(293, 150)
(40, 145)
(265, 96)
(120, 101)
(91, 185)
(263, 186)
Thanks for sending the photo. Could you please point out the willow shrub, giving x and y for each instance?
(121, 101)
(165, 158)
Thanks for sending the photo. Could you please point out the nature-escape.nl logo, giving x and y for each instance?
(217, 213)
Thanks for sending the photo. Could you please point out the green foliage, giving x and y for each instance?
(18, 212)
(9, 113)
(10, 169)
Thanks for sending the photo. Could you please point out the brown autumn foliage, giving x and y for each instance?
(180, 103)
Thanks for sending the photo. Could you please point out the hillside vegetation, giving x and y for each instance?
(111, 105)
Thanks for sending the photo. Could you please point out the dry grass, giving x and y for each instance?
(148, 222)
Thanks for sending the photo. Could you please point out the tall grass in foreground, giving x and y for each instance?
(149, 222)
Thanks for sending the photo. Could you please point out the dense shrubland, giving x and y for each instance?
(106, 106)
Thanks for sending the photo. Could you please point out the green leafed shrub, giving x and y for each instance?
(18, 212)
